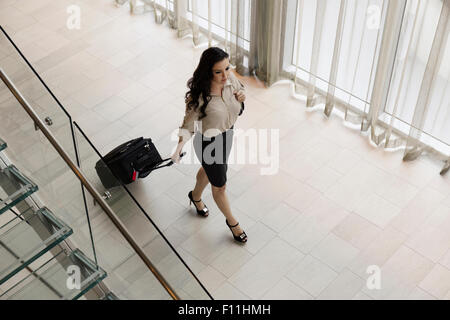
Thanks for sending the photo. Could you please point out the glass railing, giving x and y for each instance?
(32, 177)
(36, 92)
(103, 242)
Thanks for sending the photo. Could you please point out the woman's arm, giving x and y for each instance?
(185, 133)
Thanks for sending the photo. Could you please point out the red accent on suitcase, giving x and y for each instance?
(134, 175)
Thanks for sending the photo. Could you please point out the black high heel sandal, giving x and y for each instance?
(240, 238)
(204, 212)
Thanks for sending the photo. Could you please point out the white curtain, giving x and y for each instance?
(386, 64)
(225, 24)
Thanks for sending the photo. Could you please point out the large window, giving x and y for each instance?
(222, 19)
(312, 40)
(361, 36)
(415, 42)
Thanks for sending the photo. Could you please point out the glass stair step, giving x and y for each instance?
(110, 296)
(14, 187)
(26, 238)
(3, 145)
(54, 280)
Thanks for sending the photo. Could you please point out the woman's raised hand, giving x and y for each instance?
(240, 95)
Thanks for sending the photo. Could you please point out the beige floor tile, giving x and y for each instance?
(397, 191)
(165, 211)
(28, 8)
(417, 211)
(344, 287)
(447, 297)
(209, 242)
(312, 275)
(301, 137)
(91, 123)
(361, 296)
(357, 231)
(378, 252)
(441, 184)
(377, 210)
(113, 108)
(286, 290)
(231, 260)
(335, 252)
(432, 238)
(446, 201)
(14, 20)
(158, 80)
(194, 264)
(294, 108)
(325, 213)
(419, 294)
(445, 261)
(419, 173)
(227, 292)
(139, 115)
(246, 178)
(101, 89)
(431, 242)
(146, 287)
(144, 63)
(254, 112)
(278, 258)
(303, 197)
(159, 125)
(136, 94)
(51, 42)
(348, 195)
(108, 258)
(212, 278)
(276, 121)
(437, 282)
(300, 166)
(303, 233)
(280, 217)
(265, 194)
(408, 266)
(115, 132)
(120, 58)
(344, 161)
(179, 67)
(279, 93)
(260, 236)
(392, 288)
(323, 179)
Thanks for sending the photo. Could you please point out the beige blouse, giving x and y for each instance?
(221, 112)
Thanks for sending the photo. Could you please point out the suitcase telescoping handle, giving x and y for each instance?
(170, 163)
(144, 173)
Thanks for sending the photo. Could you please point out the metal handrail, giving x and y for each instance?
(98, 198)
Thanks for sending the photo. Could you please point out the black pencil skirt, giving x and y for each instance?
(213, 154)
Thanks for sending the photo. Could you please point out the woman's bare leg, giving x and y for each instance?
(221, 199)
(200, 185)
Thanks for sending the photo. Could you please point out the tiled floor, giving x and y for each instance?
(337, 205)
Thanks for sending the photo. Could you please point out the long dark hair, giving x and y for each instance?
(200, 83)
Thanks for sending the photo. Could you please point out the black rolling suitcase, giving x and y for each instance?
(129, 161)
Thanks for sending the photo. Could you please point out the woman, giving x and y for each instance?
(215, 99)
